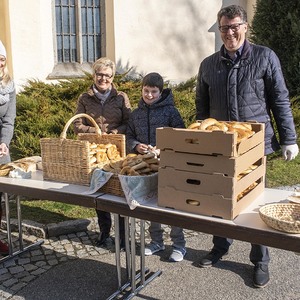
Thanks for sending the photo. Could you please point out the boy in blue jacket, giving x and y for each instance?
(155, 109)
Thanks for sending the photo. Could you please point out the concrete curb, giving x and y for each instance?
(53, 229)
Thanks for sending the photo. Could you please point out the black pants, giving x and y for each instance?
(258, 253)
(104, 221)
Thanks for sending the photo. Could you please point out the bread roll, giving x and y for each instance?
(195, 125)
(207, 122)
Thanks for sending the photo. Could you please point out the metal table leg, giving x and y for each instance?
(20, 229)
(136, 281)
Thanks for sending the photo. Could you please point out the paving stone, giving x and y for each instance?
(21, 274)
(9, 263)
(46, 267)
(37, 258)
(18, 286)
(62, 259)
(4, 294)
(38, 272)
(28, 278)
(30, 267)
(53, 262)
(58, 255)
(5, 276)
(41, 263)
(23, 261)
(3, 270)
(16, 297)
(50, 257)
(36, 252)
(16, 269)
(82, 254)
(10, 282)
(48, 251)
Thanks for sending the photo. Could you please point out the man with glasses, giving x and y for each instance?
(244, 82)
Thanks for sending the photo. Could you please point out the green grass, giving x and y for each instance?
(282, 173)
(46, 212)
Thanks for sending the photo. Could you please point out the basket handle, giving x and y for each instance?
(63, 135)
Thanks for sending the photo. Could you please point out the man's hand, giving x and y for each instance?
(289, 152)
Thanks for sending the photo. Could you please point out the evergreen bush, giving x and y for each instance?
(276, 24)
(44, 109)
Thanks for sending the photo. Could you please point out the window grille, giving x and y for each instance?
(78, 30)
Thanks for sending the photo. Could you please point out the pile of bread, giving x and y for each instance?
(108, 158)
(23, 165)
(246, 191)
(134, 165)
(243, 130)
(101, 154)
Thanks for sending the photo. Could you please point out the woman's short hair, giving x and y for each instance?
(104, 62)
(153, 80)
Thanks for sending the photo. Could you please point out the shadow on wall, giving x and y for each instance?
(182, 46)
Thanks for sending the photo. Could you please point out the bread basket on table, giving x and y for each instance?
(282, 216)
(69, 160)
(113, 186)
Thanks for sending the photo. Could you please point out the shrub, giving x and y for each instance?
(276, 24)
(44, 109)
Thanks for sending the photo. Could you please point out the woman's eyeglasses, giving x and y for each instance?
(104, 76)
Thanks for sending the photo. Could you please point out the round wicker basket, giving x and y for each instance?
(282, 216)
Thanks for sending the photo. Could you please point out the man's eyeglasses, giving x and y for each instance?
(104, 76)
(233, 27)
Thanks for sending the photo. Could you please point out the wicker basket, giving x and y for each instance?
(67, 160)
(98, 138)
(282, 216)
(113, 187)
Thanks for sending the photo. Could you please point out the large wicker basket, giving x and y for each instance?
(99, 138)
(282, 216)
(113, 186)
(68, 160)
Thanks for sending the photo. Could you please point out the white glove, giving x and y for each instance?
(289, 152)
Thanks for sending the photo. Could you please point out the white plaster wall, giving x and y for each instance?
(169, 37)
(31, 39)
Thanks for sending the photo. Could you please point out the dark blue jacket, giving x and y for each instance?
(250, 90)
(146, 118)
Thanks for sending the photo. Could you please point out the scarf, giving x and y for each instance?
(5, 91)
(100, 96)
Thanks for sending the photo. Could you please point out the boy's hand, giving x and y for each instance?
(142, 148)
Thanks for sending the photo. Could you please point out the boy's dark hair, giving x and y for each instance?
(231, 12)
(153, 80)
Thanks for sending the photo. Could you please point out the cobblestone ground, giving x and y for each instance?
(17, 272)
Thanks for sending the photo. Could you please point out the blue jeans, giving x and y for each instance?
(258, 253)
(176, 234)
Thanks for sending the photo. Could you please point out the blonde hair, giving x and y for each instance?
(5, 78)
(104, 62)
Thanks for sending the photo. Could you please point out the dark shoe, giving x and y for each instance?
(261, 275)
(102, 239)
(122, 245)
(4, 251)
(211, 258)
